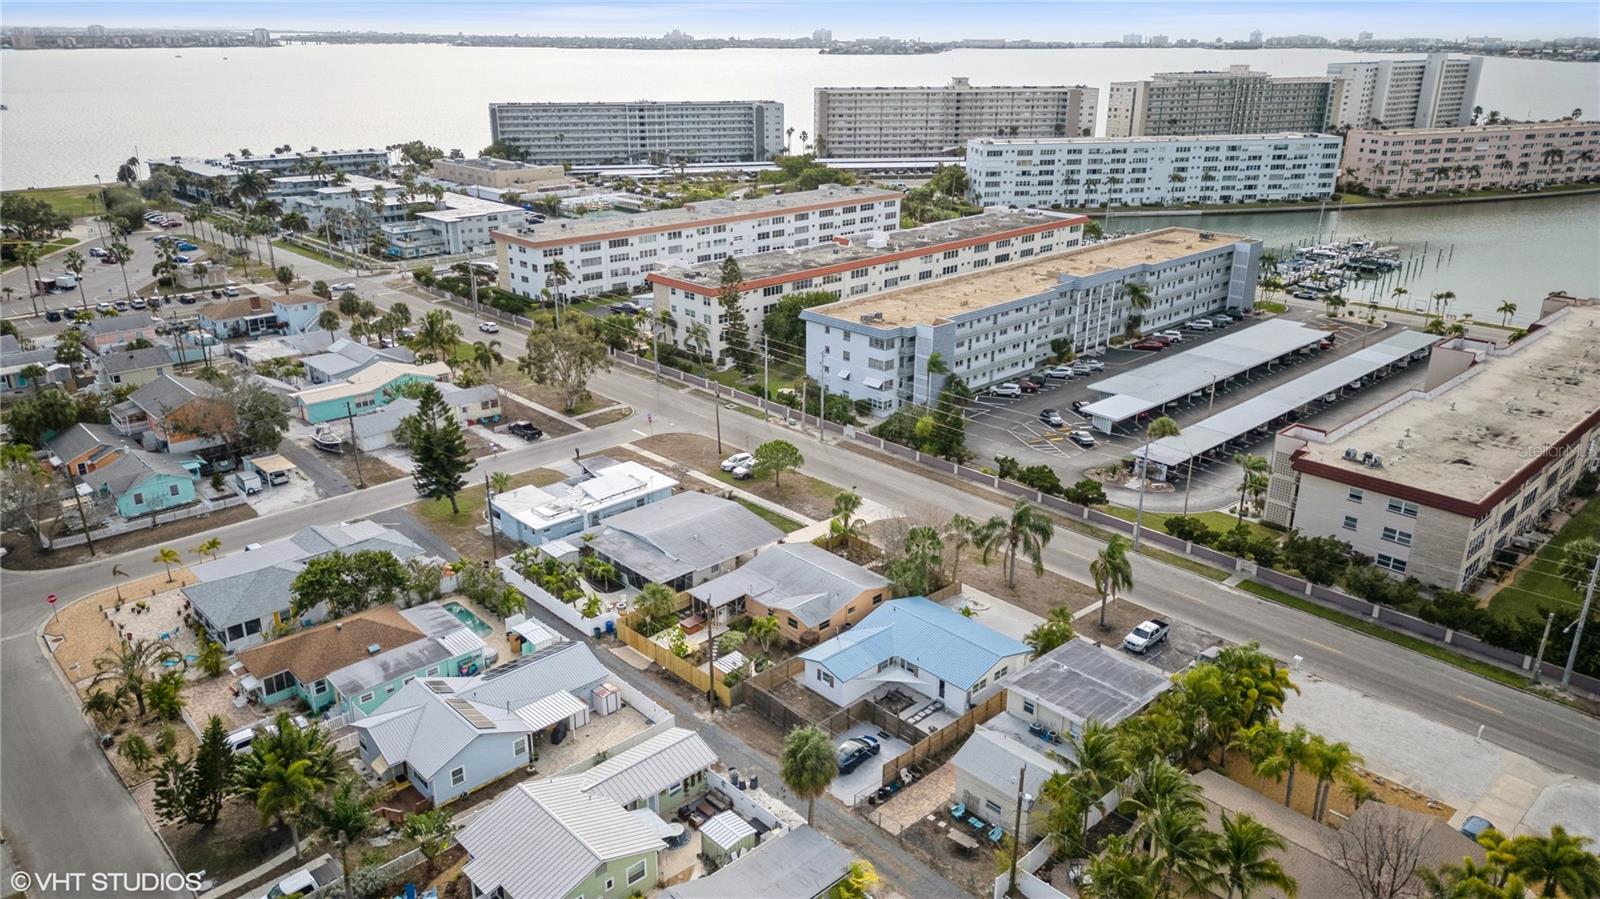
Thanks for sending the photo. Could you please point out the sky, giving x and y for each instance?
(1079, 20)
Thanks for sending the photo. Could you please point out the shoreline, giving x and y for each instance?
(1341, 207)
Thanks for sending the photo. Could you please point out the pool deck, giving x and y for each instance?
(496, 638)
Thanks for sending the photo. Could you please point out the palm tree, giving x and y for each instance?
(1118, 871)
(1398, 292)
(1559, 862)
(807, 765)
(1506, 310)
(959, 533)
(75, 263)
(1027, 531)
(698, 336)
(1137, 294)
(34, 374)
(328, 320)
(284, 791)
(1253, 481)
(1244, 855)
(1277, 753)
(1099, 770)
(433, 832)
(168, 557)
(763, 630)
(437, 335)
(345, 818)
(128, 667)
(1112, 572)
(28, 256)
(1329, 762)
(102, 706)
(486, 356)
(210, 548)
(844, 525)
(499, 482)
(122, 251)
(1160, 428)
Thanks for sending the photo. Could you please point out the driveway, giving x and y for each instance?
(853, 787)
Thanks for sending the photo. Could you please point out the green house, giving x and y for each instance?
(142, 483)
(352, 665)
(726, 837)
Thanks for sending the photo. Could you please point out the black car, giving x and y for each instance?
(854, 751)
(186, 299)
(52, 316)
(525, 430)
(1077, 405)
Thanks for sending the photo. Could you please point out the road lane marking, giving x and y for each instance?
(1480, 705)
(1323, 646)
(640, 433)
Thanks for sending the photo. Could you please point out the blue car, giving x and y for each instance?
(854, 751)
(1474, 827)
(181, 259)
(185, 247)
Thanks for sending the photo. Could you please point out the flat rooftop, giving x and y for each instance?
(565, 230)
(934, 302)
(788, 264)
(1152, 139)
(1469, 440)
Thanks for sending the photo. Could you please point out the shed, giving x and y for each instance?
(274, 469)
(533, 635)
(726, 837)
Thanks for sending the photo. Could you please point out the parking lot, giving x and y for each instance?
(1012, 427)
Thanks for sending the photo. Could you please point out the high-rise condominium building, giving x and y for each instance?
(931, 121)
(1098, 171)
(1478, 157)
(643, 131)
(261, 37)
(1237, 101)
(1436, 92)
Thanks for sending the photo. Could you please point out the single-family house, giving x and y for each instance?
(449, 736)
(551, 839)
(681, 541)
(101, 334)
(1048, 703)
(14, 360)
(141, 483)
(240, 598)
(83, 448)
(171, 413)
(535, 515)
(364, 392)
(123, 367)
(915, 643)
(660, 774)
(284, 346)
(344, 357)
(812, 593)
(355, 664)
(298, 313)
(799, 864)
(243, 316)
(475, 405)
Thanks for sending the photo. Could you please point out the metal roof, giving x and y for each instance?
(1088, 682)
(994, 758)
(942, 641)
(680, 535)
(542, 713)
(1177, 375)
(798, 577)
(122, 360)
(650, 767)
(542, 838)
(801, 864)
(1218, 429)
(727, 829)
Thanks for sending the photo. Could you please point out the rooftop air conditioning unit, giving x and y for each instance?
(1366, 459)
(1351, 454)
(1377, 462)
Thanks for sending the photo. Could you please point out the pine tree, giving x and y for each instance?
(439, 449)
(735, 329)
(191, 792)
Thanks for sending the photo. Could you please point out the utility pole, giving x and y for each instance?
(488, 505)
(350, 415)
(822, 409)
(716, 411)
(766, 388)
(72, 481)
(1141, 468)
(711, 660)
(1583, 618)
(1538, 660)
(1016, 831)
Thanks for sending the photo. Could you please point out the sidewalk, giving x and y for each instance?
(785, 511)
(565, 419)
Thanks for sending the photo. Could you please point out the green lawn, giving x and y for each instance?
(1187, 564)
(1540, 582)
(1220, 522)
(1274, 308)
(73, 201)
(309, 253)
(781, 522)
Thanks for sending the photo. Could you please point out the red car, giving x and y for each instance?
(172, 223)
(1154, 345)
(1028, 386)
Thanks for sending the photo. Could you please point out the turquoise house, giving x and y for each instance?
(368, 390)
(141, 483)
(352, 665)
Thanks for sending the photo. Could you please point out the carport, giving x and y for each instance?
(1177, 376)
(274, 469)
(1219, 430)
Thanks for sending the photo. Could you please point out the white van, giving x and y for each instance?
(1200, 324)
(1008, 389)
(249, 482)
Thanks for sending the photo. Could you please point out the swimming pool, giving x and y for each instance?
(465, 616)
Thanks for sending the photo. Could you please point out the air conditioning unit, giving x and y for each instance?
(1351, 455)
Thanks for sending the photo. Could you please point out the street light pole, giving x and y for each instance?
(1538, 660)
(1583, 618)
(1016, 831)
(488, 506)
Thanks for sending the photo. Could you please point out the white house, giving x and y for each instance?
(535, 515)
(914, 643)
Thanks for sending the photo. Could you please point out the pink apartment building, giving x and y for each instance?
(1428, 160)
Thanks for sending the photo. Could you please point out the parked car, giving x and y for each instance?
(1091, 364)
(1008, 389)
(172, 223)
(230, 291)
(120, 305)
(736, 460)
(1223, 319)
(525, 429)
(51, 315)
(1060, 372)
(182, 259)
(1324, 344)
(1079, 405)
(743, 471)
(407, 333)
(186, 299)
(324, 872)
(342, 285)
(1081, 437)
(1146, 636)
(96, 252)
(186, 247)
(489, 327)
(1028, 386)
(138, 303)
(1173, 336)
(1052, 418)
(1201, 324)
(1152, 345)
(1303, 294)
(1474, 827)
(629, 308)
(854, 751)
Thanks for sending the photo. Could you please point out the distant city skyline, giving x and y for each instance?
(937, 20)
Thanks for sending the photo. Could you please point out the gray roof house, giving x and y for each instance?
(13, 359)
(116, 367)
(345, 357)
(87, 447)
(636, 776)
(240, 596)
(451, 735)
(801, 864)
(798, 581)
(681, 541)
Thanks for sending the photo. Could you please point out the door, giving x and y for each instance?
(941, 689)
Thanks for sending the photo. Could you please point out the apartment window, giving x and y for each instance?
(1390, 562)
(1402, 507)
(458, 776)
(1027, 707)
(635, 872)
(1355, 495)
(1349, 522)
(1394, 535)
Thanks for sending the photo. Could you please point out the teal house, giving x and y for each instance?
(365, 391)
(141, 483)
(352, 665)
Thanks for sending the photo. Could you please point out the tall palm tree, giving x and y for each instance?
(959, 533)
(1026, 532)
(122, 251)
(698, 336)
(1253, 477)
(328, 319)
(437, 335)
(1158, 429)
(1118, 871)
(1099, 767)
(1244, 857)
(844, 524)
(1277, 753)
(1506, 310)
(127, 667)
(1112, 572)
(1398, 292)
(284, 791)
(1328, 762)
(807, 765)
(1559, 862)
(169, 557)
(345, 818)
(75, 263)
(486, 356)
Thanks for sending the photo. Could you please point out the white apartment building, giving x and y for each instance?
(1097, 171)
(1237, 101)
(997, 325)
(1436, 92)
(1432, 484)
(366, 161)
(613, 255)
(1424, 160)
(866, 122)
(412, 226)
(855, 268)
(642, 131)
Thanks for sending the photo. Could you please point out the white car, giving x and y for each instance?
(1221, 319)
(1200, 324)
(1174, 336)
(1061, 372)
(736, 460)
(342, 285)
(489, 327)
(1008, 389)
(1091, 364)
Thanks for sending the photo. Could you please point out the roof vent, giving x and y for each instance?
(373, 649)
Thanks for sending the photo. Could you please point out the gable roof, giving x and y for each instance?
(801, 864)
(116, 362)
(167, 393)
(14, 358)
(942, 641)
(81, 438)
(316, 652)
(238, 307)
(801, 578)
(1088, 682)
(994, 758)
(135, 468)
(682, 534)
(642, 771)
(371, 378)
(542, 838)
(128, 321)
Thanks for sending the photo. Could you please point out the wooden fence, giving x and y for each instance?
(941, 739)
(694, 675)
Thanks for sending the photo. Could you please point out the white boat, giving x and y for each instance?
(325, 439)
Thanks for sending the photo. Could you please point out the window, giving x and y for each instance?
(635, 872)
(320, 687)
(793, 623)
(1349, 522)
(1394, 535)
(1390, 562)
(825, 677)
(458, 776)
(992, 807)
(1401, 507)
(520, 748)
(1028, 707)
(366, 697)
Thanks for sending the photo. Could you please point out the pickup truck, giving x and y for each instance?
(307, 881)
(1142, 638)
